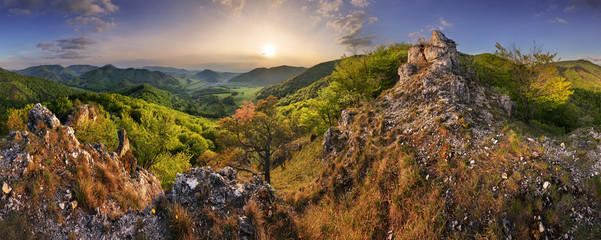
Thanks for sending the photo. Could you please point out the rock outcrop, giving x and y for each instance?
(62, 188)
(444, 136)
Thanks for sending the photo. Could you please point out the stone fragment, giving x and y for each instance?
(6, 189)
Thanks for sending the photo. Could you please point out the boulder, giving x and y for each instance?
(416, 56)
(39, 116)
(123, 143)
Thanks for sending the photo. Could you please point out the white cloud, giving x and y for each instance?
(360, 3)
(558, 20)
(414, 34)
(18, 11)
(85, 7)
(372, 20)
(351, 27)
(235, 5)
(277, 3)
(444, 23)
(91, 23)
(329, 6)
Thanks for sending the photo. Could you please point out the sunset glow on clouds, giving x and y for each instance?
(232, 34)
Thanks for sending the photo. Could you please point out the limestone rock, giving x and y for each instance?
(82, 113)
(41, 115)
(416, 56)
(123, 143)
(245, 228)
(6, 189)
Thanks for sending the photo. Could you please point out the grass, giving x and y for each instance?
(180, 222)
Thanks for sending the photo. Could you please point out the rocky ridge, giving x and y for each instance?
(491, 178)
(61, 188)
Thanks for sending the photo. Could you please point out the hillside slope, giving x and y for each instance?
(267, 76)
(438, 156)
(302, 80)
(81, 69)
(17, 90)
(56, 73)
(211, 76)
(175, 72)
(154, 95)
(54, 187)
(110, 78)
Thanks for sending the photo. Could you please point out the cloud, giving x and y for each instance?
(91, 23)
(372, 20)
(351, 27)
(18, 11)
(69, 48)
(592, 59)
(570, 8)
(277, 3)
(558, 20)
(328, 6)
(85, 7)
(444, 23)
(235, 5)
(414, 34)
(360, 3)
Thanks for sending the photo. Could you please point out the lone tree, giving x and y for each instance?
(536, 81)
(259, 130)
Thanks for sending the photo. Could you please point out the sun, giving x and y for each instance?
(268, 50)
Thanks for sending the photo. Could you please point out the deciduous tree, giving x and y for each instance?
(260, 130)
(536, 82)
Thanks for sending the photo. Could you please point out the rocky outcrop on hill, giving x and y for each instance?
(60, 188)
(452, 140)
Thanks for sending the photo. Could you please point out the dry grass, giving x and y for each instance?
(180, 223)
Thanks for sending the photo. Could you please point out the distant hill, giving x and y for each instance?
(175, 72)
(154, 95)
(56, 73)
(109, 78)
(302, 80)
(211, 76)
(81, 69)
(583, 74)
(17, 90)
(267, 76)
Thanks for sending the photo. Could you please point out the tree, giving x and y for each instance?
(259, 130)
(536, 82)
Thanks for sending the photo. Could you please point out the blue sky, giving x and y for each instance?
(233, 35)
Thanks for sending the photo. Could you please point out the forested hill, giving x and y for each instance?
(267, 76)
(299, 81)
(81, 69)
(211, 76)
(17, 90)
(109, 78)
(56, 73)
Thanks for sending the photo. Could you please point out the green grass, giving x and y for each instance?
(300, 171)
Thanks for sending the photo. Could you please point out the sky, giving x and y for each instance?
(239, 35)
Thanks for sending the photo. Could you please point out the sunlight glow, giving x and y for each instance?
(268, 50)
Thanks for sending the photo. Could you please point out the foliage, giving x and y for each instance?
(299, 81)
(364, 77)
(534, 79)
(17, 91)
(108, 78)
(169, 165)
(260, 130)
(266, 76)
(151, 94)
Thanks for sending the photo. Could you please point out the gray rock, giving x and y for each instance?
(41, 115)
(245, 227)
(416, 56)
(123, 143)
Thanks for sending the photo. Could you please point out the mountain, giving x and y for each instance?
(154, 95)
(175, 72)
(110, 78)
(56, 73)
(267, 76)
(302, 80)
(17, 90)
(81, 69)
(211, 76)
(583, 74)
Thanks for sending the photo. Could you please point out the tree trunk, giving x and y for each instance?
(267, 166)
